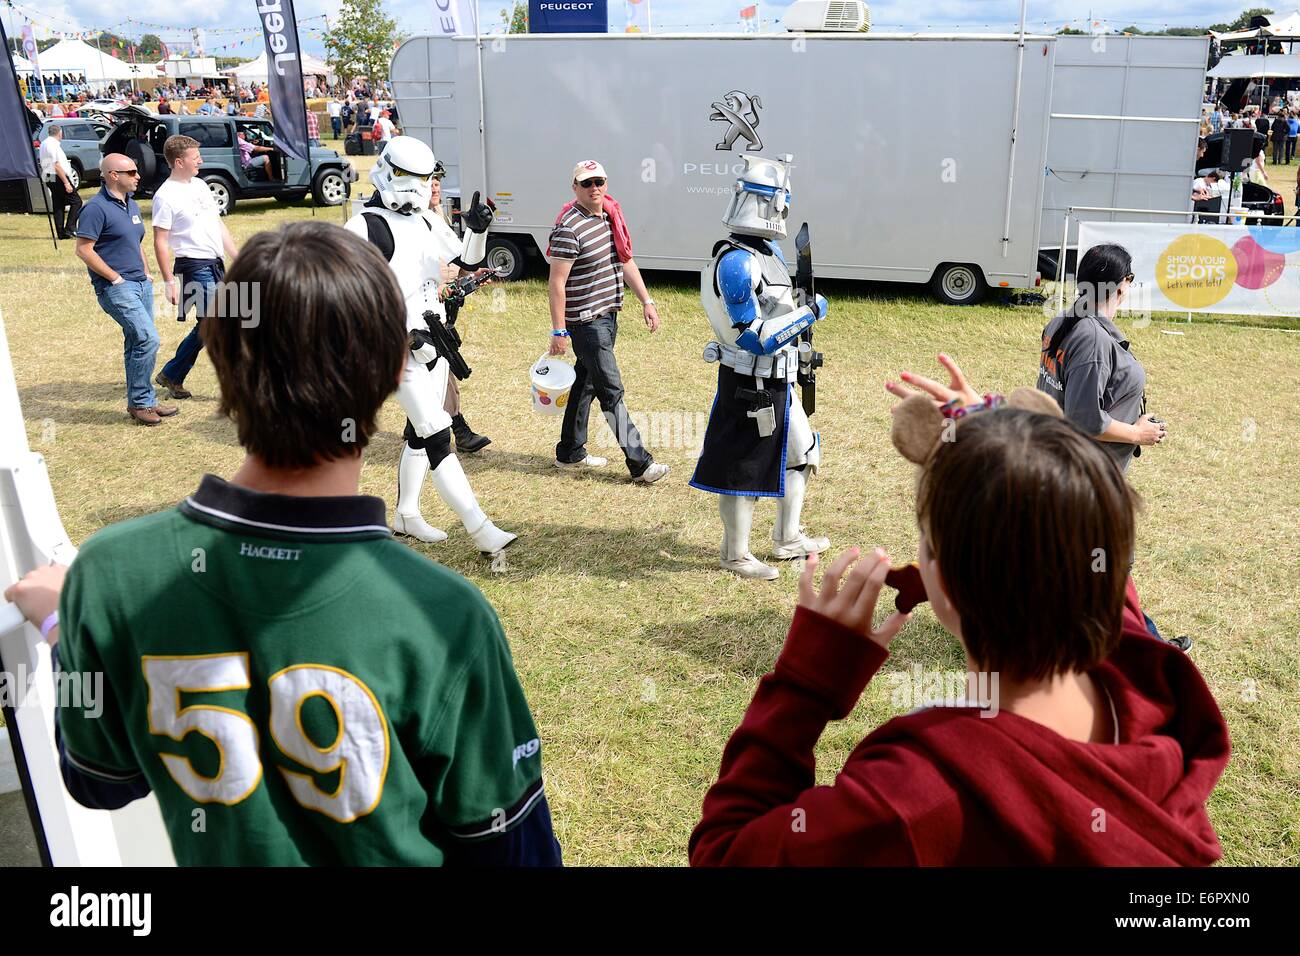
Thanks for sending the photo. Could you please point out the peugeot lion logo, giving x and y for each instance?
(740, 112)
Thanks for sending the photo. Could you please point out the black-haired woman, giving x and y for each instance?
(1086, 363)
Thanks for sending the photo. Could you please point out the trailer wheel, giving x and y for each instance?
(505, 258)
(956, 283)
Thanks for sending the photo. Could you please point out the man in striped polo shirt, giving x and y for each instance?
(586, 293)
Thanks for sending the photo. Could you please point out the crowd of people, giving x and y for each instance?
(1096, 714)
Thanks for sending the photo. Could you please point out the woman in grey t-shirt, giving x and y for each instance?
(1086, 364)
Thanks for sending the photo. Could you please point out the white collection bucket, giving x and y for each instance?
(551, 379)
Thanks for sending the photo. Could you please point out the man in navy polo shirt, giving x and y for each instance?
(109, 236)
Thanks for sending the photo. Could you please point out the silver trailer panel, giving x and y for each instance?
(1137, 150)
(892, 188)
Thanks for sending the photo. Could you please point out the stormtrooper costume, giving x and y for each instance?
(759, 443)
(398, 221)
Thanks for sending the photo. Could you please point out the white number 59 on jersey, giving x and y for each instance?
(359, 753)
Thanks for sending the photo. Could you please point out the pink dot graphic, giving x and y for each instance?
(1256, 266)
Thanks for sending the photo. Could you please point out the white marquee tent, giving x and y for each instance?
(1287, 28)
(255, 70)
(22, 64)
(74, 56)
(1255, 67)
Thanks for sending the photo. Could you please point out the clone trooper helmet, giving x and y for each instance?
(762, 198)
(403, 175)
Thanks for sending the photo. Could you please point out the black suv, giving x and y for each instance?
(140, 135)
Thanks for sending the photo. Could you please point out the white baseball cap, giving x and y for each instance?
(588, 168)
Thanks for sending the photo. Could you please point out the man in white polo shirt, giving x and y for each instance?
(56, 171)
(187, 224)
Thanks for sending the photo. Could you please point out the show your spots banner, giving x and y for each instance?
(1238, 270)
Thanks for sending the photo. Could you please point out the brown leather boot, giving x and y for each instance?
(174, 389)
(144, 416)
(165, 411)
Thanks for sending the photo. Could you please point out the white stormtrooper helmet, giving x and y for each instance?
(762, 199)
(403, 175)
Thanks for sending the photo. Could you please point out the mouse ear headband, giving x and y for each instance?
(920, 424)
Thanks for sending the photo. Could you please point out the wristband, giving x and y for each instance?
(560, 333)
(647, 302)
(49, 624)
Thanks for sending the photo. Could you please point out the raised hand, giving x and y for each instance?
(957, 386)
(851, 600)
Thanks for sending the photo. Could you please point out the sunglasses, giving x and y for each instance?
(126, 172)
(593, 181)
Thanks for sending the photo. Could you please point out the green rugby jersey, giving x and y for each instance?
(321, 692)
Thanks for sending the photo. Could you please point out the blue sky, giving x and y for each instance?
(415, 16)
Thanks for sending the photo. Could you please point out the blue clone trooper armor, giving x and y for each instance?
(759, 441)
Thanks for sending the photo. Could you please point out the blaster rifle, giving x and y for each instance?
(810, 360)
(446, 340)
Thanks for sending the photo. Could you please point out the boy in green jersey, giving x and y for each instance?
(275, 665)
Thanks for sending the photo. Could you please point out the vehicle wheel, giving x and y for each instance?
(329, 188)
(223, 193)
(505, 258)
(77, 174)
(287, 198)
(956, 283)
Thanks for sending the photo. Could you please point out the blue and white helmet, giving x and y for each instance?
(403, 175)
(762, 198)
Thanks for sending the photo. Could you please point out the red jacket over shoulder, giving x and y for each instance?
(945, 786)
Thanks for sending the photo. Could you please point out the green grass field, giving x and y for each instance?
(637, 653)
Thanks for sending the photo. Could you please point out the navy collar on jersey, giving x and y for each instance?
(218, 502)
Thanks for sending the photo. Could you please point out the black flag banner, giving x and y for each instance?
(284, 76)
(17, 158)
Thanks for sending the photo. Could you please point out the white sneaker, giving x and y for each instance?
(800, 547)
(591, 461)
(490, 539)
(653, 473)
(750, 567)
(417, 527)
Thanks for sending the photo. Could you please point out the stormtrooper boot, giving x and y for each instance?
(410, 480)
(453, 487)
(787, 535)
(737, 519)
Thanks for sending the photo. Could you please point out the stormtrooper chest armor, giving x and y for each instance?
(417, 258)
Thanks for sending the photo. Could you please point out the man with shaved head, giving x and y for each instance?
(110, 233)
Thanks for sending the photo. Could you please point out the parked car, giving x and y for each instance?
(82, 138)
(140, 135)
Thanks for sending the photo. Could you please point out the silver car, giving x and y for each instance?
(82, 137)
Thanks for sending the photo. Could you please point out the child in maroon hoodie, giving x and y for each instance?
(1102, 745)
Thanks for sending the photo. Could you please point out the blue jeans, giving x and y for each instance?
(337, 125)
(598, 377)
(130, 305)
(197, 291)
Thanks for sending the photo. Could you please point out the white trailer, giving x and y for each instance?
(898, 185)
